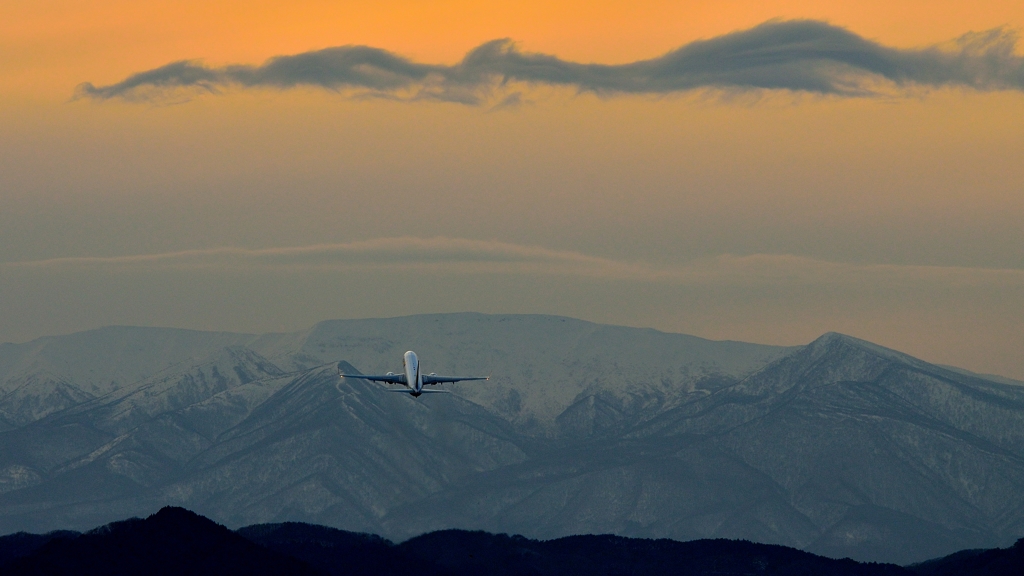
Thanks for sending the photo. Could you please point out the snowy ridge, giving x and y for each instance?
(107, 359)
(840, 447)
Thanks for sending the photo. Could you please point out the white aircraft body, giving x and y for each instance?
(412, 379)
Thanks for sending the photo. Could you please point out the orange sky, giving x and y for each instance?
(932, 179)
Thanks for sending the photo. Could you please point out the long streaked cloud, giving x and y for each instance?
(463, 256)
(801, 55)
(402, 253)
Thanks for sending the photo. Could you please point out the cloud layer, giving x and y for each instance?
(442, 255)
(801, 55)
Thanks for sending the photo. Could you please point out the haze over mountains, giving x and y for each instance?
(840, 447)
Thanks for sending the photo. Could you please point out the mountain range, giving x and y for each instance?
(840, 447)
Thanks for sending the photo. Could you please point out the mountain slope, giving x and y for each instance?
(876, 448)
(107, 359)
(342, 453)
(843, 448)
(540, 365)
(839, 447)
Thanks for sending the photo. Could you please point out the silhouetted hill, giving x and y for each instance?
(480, 553)
(475, 553)
(172, 541)
(997, 562)
(21, 544)
(177, 541)
(329, 549)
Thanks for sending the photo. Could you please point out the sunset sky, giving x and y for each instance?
(763, 171)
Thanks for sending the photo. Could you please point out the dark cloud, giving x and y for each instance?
(803, 55)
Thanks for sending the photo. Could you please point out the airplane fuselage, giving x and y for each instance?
(412, 372)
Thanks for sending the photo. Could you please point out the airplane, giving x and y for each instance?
(412, 379)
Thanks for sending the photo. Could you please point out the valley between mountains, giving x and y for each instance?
(840, 447)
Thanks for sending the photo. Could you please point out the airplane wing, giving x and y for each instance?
(386, 378)
(435, 379)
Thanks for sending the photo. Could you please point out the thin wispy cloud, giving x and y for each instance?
(801, 56)
(462, 256)
(440, 254)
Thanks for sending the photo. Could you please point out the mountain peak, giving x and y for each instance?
(831, 342)
(172, 541)
(838, 338)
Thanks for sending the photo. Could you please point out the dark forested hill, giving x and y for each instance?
(176, 541)
(173, 541)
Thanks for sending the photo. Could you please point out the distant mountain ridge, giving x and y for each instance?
(177, 541)
(840, 447)
(513, 348)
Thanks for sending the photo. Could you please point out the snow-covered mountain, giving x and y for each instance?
(839, 447)
(539, 364)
